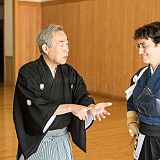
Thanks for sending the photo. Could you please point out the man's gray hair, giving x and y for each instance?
(45, 36)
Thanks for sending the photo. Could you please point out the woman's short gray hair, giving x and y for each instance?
(45, 36)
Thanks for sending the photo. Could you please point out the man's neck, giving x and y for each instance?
(50, 64)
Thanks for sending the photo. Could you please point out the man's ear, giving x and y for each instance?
(45, 48)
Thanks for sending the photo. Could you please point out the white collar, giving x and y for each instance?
(151, 70)
(53, 71)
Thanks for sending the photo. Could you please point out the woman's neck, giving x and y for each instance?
(154, 67)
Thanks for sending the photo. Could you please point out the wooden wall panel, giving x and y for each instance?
(9, 70)
(28, 25)
(100, 34)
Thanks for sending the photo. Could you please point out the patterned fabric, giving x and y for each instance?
(54, 146)
(138, 145)
(147, 147)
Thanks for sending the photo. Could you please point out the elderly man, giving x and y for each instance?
(50, 101)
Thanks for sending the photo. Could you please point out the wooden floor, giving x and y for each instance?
(106, 140)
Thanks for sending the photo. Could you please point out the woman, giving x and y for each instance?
(143, 97)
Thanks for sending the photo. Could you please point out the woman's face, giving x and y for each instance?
(150, 51)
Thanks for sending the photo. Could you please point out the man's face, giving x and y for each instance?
(149, 50)
(58, 52)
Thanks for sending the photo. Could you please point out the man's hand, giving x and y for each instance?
(98, 110)
(80, 111)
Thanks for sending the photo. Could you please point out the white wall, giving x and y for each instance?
(8, 28)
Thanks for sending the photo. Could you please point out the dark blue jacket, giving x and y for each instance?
(145, 99)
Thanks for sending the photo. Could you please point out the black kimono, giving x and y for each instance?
(38, 95)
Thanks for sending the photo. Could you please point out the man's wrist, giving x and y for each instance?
(70, 108)
(91, 105)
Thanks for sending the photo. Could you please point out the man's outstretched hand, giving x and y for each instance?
(99, 111)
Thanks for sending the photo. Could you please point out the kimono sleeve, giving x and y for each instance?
(82, 97)
(34, 110)
(79, 90)
(130, 104)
